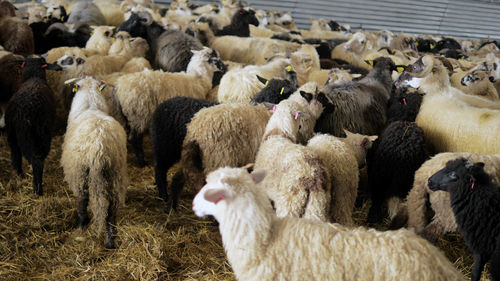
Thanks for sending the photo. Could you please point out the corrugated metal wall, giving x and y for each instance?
(457, 18)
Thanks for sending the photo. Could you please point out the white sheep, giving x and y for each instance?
(261, 246)
(94, 158)
(138, 94)
(100, 40)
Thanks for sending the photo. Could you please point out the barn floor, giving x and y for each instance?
(39, 239)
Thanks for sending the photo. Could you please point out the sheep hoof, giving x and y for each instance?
(169, 206)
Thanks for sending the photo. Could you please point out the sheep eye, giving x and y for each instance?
(453, 175)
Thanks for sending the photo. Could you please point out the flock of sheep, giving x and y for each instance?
(328, 117)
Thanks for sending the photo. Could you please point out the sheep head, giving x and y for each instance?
(458, 173)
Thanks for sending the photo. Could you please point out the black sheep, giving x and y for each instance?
(403, 104)
(168, 130)
(392, 161)
(57, 35)
(426, 45)
(447, 43)
(476, 204)
(171, 49)
(29, 119)
(276, 90)
(239, 24)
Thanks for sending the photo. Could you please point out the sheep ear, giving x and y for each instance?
(372, 138)
(70, 81)
(258, 176)
(370, 62)
(215, 195)
(44, 55)
(307, 96)
(248, 167)
(347, 133)
(262, 80)
(479, 165)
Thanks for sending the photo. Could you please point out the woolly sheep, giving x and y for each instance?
(16, 36)
(298, 181)
(474, 200)
(86, 12)
(29, 120)
(453, 121)
(100, 40)
(477, 82)
(138, 94)
(11, 75)
(443, 220)
(276, 90)
(342, 157)
(94, 158)
(261, 246)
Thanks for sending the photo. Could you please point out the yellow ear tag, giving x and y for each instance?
(370, 63)
(350, 37)
(62, 18)
(368, 45)
(281, 93)
(223, 2)
(432, 46)
(112, 40)
(75, 89)
(130, 39)
(416, 44)
(267, 82)
(99, 90)
(392, 52)
(400, 69)
(335, 77)
(288, 68)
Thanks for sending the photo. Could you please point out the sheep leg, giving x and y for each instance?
(110, 227)
(176, 187)
(16, 156)
(495, 263)
(136, 141)
(37, 165)
(477, 269)
(375, 213)
(161, 181)
(83, 203)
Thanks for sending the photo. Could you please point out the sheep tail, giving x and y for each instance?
(101, 195)
(416, 204)
(116, 108)
(318, 193)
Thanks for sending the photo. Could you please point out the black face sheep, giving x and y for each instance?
(276, 90)
(261, 246)
(239, 24)
(94, 158)
(29, 119)
(403, 105)
(392, 161)
(168, 130)
(475, 202)
(171, 49)
(360, 106)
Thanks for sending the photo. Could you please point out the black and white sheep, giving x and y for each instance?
(475, 202)
(29, 119)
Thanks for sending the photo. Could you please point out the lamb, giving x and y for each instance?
(138, 94)
(395, 156)
(474, 200)
(16, 36)
(239, 24)
(29, 119)
(360, 106)
(343, 157)
(171, 49)
(168, 130)
(298, 181)
(261, 246)
(443, 220)
(100, 41)
(94, 158)
(463, 122)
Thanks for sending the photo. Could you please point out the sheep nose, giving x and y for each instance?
(431, 184)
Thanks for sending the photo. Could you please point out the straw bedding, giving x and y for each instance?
(39, 238)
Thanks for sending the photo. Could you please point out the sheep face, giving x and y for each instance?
(136, 25)
(88, 94)
(357, 44)
(473, 77)
(227, 185)
(455, 173)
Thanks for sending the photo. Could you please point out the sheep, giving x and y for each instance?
(86, 12)
(298, 181)
(360, 106)
(392, 161)
(29, 119)
(59, 35)
(342, 158)
(239, 24)
(11, 75)
(16, 36)
(100, 41)
(138, 94)
(276, 90)
(443, 220)
(478, 83)
(168, 130)
(474, 200)
(261, 246)
(171, 49)
(463, 122)
(94, 158)
(124, 44)
(7, 9)
(403, 105)
(246, 50)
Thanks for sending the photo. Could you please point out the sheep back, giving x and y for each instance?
(173, 50)
(16, 36)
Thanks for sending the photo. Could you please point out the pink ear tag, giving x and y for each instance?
(296, 115)
(22, 65)
(472, 186)
(404, 101)
(273, 109)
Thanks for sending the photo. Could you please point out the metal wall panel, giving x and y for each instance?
(457, 18)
